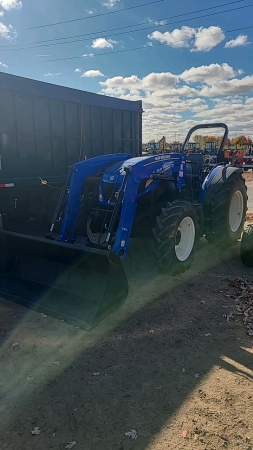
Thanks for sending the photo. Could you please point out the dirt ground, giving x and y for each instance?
(248, 175)
(172, 369)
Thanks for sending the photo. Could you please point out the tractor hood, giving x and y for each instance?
(114, 175)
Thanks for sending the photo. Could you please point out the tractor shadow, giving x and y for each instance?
(134, 371)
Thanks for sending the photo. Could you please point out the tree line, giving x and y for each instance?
(236, 142)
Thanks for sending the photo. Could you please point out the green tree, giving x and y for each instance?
(239, 141)
(201, 140)
(219, 141)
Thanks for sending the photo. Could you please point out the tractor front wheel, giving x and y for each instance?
(247, 246)
(174, 236)
(228, 211)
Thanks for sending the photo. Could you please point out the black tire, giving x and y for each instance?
(166, 234)
(246, 249)
(220, 208)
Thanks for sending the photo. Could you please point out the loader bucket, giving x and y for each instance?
(78, 284)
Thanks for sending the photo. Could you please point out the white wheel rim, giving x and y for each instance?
(186, 231)
(236, 211)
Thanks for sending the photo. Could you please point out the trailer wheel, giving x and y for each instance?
(228, 211)
(246, 249)
(174, 236)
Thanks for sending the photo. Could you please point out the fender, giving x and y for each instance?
(214, 180)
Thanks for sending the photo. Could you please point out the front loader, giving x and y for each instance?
(170, 199)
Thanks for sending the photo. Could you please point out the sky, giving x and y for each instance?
(188, 61)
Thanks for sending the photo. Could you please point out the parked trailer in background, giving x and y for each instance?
(45, 128)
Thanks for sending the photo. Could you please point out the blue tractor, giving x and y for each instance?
(170, 199)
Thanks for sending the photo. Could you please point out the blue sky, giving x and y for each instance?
(187, 69)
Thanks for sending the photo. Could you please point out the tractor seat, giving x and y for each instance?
(196, 158)
(194, 166)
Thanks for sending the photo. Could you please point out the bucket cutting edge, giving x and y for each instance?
(75, 283)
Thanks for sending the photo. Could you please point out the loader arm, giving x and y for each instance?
(80, 171)
(136, 173)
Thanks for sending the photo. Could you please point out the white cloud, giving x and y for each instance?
(48, 74)
(242, 39)
(157, 89)
(88, 55)
(149, 83)
(7, 32)
(3, 65)
(1, 13)
(11, 4)
(227, 99)
(208, 74)
(92, 74)
(224, 109)
(110, 3)
(101, 43)
(200, 39)
(229, 87)
(208, 38)
(156, 22)
(176, 38)
(163, 79)
(175, 102)
(78, 70)
(238, 116)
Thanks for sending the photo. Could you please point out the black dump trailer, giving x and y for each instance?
(44, 128)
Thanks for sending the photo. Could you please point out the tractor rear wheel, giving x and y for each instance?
(247, 246)
(228, 211)
(174, 236)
